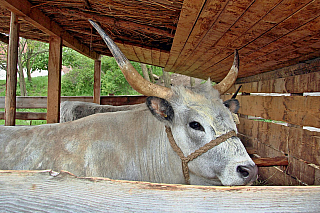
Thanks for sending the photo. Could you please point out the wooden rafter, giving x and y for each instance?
(24, 9)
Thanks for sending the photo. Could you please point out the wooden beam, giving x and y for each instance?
(188, 17)
(54, 79)
(11, 81)
(122, 100)
(97, 81)
(276, 161)
(24, 9)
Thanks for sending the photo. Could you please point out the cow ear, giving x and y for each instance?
(232, 104)
(160, 108)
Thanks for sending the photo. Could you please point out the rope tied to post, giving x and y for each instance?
(197, 153)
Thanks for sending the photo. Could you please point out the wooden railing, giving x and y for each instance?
(27, 102)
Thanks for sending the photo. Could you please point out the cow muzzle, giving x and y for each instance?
(248, 173)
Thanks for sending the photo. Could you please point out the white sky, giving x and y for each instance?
(34, 74)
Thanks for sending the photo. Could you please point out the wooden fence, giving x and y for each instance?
(290, 136)
(41, 103)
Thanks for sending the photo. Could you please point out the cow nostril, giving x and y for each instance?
(243, 171)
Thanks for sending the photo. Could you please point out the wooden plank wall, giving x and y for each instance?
(288, 137)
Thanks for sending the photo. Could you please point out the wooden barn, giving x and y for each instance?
(279, 46)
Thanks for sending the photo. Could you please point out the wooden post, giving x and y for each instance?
(54, 79)
(11, 81)
(97, 81)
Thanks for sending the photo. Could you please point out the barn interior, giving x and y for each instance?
(278, 42)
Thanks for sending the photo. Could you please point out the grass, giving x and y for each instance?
(2, 87)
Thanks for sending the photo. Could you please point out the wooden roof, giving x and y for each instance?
(191, 37)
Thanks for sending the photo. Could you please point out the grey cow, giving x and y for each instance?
(133, 145)
(74, 110)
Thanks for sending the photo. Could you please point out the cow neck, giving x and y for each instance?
(197, 153)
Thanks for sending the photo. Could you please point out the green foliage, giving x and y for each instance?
(36, 53)
(112, 79)
(79, 81)
(39, 86)
(2, 87)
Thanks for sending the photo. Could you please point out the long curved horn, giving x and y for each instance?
(229, 80)
(136, 81)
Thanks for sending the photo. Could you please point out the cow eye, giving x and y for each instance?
(196, 126)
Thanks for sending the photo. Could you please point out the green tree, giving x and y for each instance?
(79, 81)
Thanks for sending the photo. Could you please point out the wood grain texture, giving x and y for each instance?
(188, 17)
(273, 140)
(39, 191)
(276, 161)
(298, 110)
(295, 84)
(97, 81)
(11, 75)
(54, 79)
(28, 115)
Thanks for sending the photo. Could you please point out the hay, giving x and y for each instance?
(147, 23)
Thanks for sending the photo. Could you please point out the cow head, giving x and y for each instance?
(196, 116)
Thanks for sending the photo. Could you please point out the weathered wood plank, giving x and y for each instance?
(295, 142)
(295, 84)
(298, 110)
(276, 161)
(208, 16)
(43, 191)
(147, 55)
(216, 39)
(274, 176)
(11, 77)
(300, 50)
(272, 140)
(97, 81)
(28, 115)
(128, 51)
(280, 22)
(297, 69)
(188, 17)
(299, 16)
(139, 53)
(54, 79)
(155, 54)
(122, 100)
(164, 56)
(302, 170)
